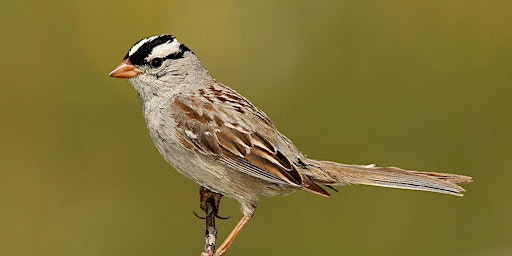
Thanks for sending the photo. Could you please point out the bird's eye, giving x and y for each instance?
(156, 62)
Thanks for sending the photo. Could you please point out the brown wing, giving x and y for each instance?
(225, 126)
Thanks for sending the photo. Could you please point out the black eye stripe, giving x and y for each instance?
(177, 55)
(157, 62)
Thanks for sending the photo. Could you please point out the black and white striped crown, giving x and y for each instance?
(162, 46)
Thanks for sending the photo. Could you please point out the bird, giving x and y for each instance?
(216, 137)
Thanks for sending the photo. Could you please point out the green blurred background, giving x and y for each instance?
(423, 85)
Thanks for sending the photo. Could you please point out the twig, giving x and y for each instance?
(209, 203)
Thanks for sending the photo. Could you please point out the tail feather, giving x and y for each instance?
(342, 174)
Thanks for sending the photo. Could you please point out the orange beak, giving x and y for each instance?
(125, 70)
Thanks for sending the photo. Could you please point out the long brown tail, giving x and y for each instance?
(341, 174)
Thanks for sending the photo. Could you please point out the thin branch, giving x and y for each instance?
(209, 203)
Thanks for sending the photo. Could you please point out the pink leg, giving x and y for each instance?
(231, 237)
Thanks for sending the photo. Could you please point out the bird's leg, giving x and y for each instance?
(231, 237)
(209, 203)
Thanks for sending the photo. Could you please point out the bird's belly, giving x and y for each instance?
(220, 178)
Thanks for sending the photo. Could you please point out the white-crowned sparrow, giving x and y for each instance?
(216, 137)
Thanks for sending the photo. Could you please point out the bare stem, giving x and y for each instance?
(209, 203)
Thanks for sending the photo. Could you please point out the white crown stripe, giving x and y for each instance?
(165, 49)
(139, 44)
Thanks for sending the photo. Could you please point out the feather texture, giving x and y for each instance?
(239, 139)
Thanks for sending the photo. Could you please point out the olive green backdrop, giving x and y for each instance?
(423, 85)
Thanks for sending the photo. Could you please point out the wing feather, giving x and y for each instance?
(236, 138)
